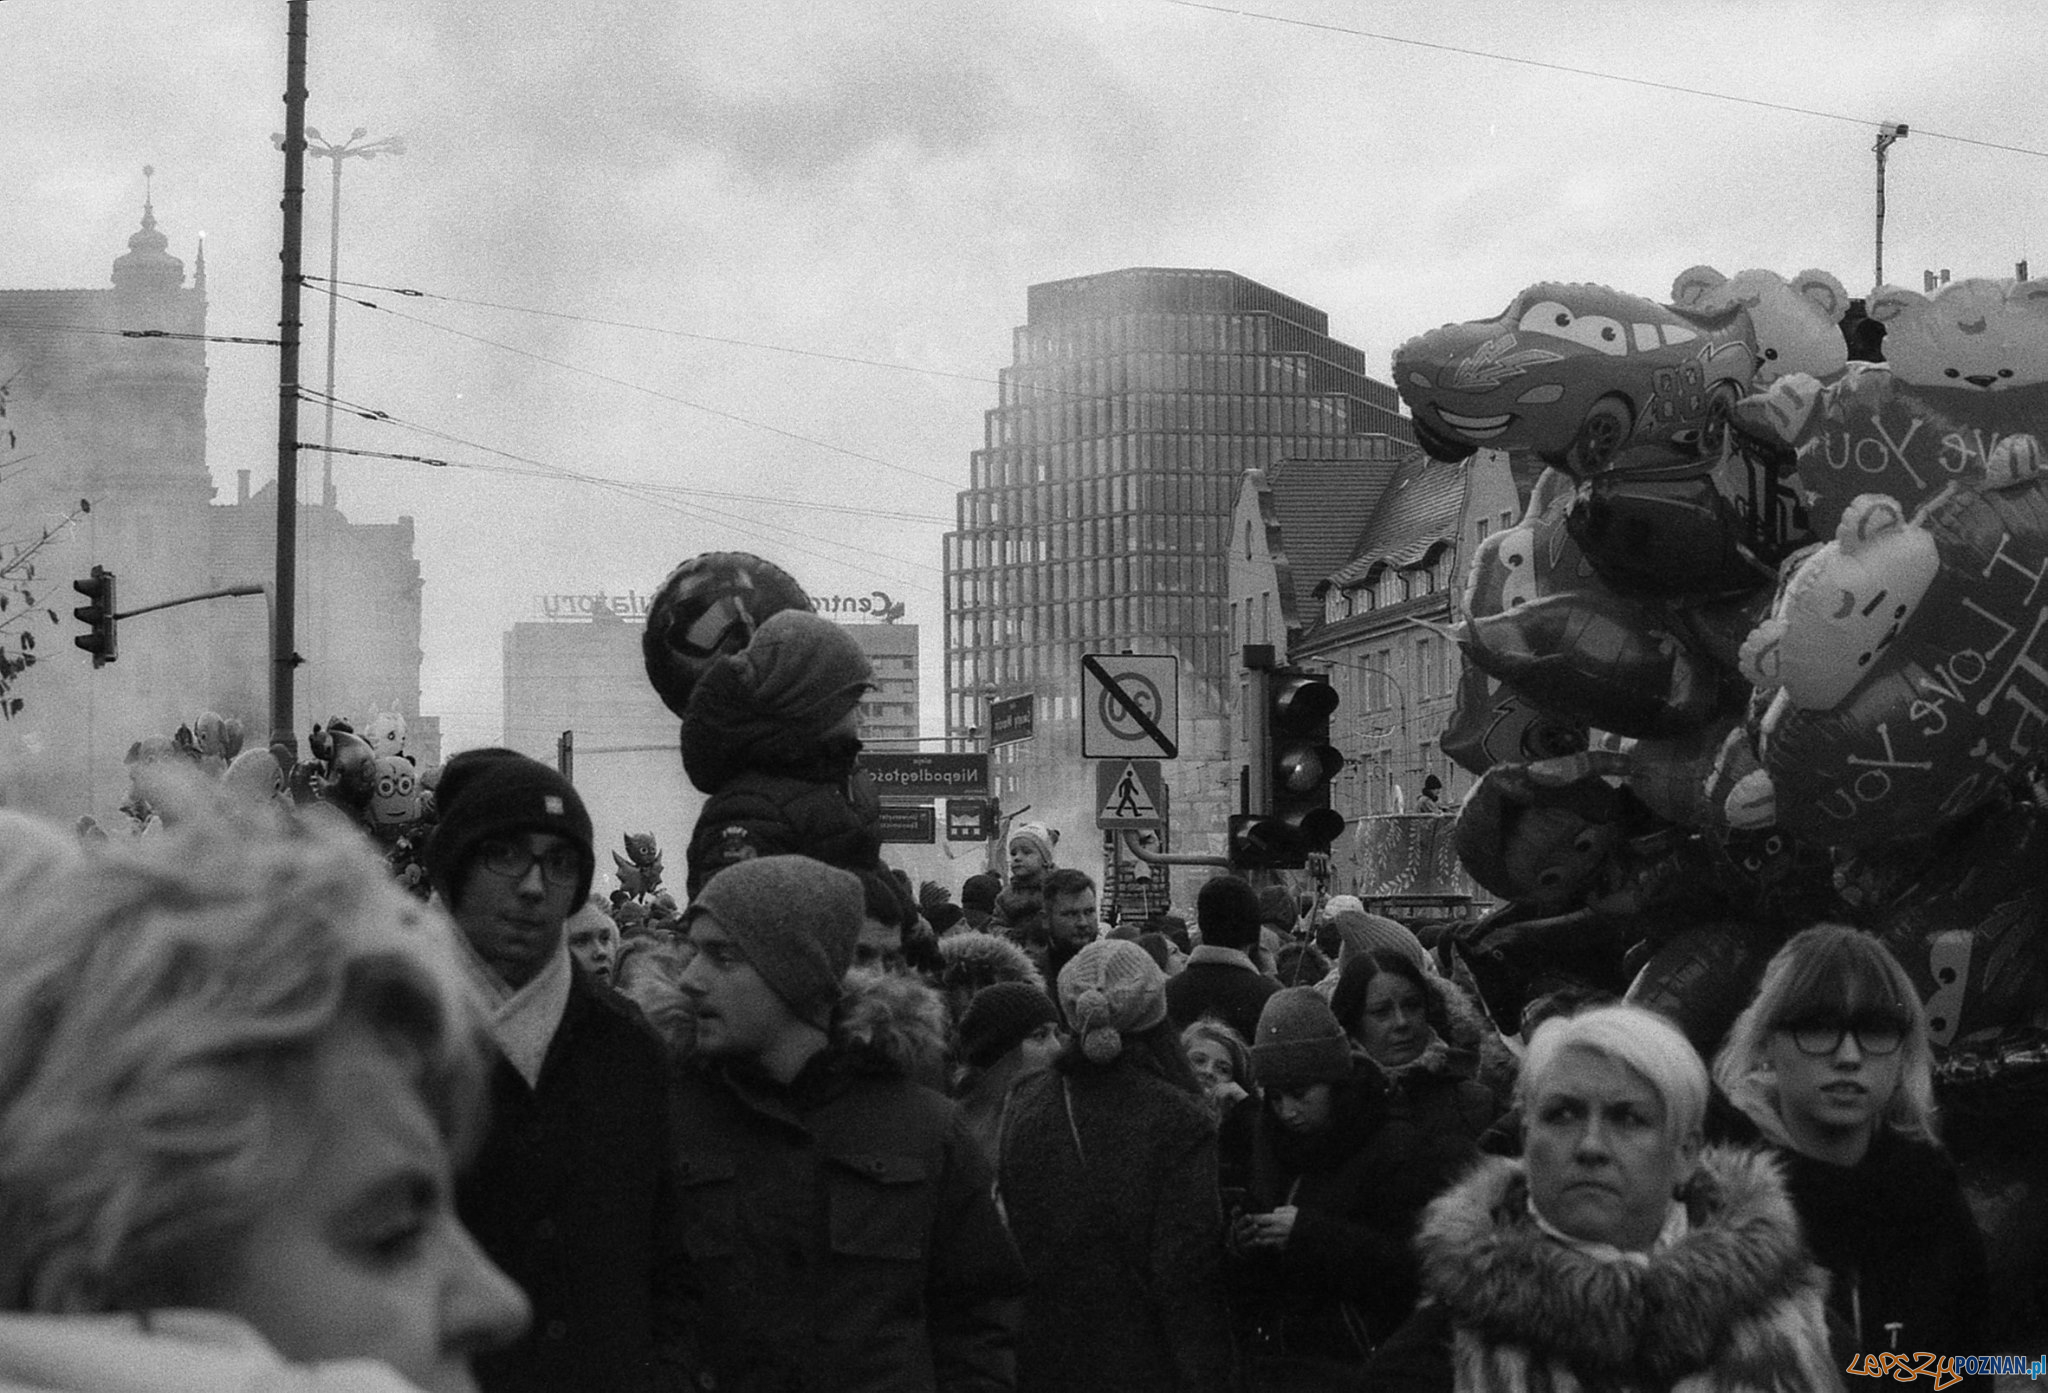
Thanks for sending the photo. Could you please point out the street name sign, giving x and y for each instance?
(927, 775)
(1010, 719)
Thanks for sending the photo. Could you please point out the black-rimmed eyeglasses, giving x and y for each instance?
(1874, 1035)
(559, 865)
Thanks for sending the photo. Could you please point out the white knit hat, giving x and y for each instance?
(1111, 988)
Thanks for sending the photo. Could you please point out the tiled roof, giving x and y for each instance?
(1321, 505)
(1416, 512)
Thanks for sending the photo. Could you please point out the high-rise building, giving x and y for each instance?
(1101, 500)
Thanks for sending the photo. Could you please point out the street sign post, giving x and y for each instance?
(1010, 720)
(1130, 706)
(927, 775)
(1130, 796)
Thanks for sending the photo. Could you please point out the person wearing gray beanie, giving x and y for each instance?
(839, 1221)
(795, 921)
(1338, 1180)
(1110, 989)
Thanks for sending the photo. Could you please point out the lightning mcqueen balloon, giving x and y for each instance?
(1575, 373)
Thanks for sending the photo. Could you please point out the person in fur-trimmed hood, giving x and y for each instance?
(837, 1213)
(1616, 1254)
(1426, 1036)
(771, 736)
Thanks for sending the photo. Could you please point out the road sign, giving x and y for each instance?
(909, 822)
(1130, 706)
(1009, 720)
(967, 819)
(927, 775)
(1130, 795)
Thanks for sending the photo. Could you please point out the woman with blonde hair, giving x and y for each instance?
(236, 1068)
(1832, 1064)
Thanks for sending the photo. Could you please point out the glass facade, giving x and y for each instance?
(1101, 496)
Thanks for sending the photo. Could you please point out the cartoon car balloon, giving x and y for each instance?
(1573, 373)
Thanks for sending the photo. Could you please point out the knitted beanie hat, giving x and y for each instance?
(1111, 989)
(999, 1019)
(1299, 1042)
(1227, 912)
(979, 892)
(803, 669)
(1363, 933)
(494, 793)
(1035, 834)
(796, 919)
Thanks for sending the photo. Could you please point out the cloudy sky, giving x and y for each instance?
(757, 264)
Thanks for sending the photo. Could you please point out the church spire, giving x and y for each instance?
(148, 266)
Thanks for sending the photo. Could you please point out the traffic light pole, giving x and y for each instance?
(1169, 858)
(194, 599)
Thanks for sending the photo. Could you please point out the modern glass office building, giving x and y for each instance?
(1101, 497)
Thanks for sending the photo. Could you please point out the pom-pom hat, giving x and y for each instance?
(1111, 989)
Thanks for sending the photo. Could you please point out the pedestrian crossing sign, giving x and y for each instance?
(1129, 795)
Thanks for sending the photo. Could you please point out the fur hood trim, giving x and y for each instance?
(891, 1023)
(1736, 1296)
(975, 959)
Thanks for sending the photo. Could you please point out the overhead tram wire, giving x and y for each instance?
(638, 493)
(543, 470)
(1326, 27)
(658, 394)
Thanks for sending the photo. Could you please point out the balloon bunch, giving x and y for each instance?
(1767, 645)
(640, 904)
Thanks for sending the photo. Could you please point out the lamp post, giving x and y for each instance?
(1888, 135)
(354, 148)
(1400, 691)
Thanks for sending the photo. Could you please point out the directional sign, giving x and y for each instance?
(1130, 706)
(909, 822)
(927, 775)
(1129, 795)
(1009, 720)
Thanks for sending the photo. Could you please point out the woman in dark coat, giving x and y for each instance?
(1423, 1033)
(1337, 1182)
(1108, 1178)
(1832, 1066)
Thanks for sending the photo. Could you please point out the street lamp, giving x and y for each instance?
(356, 147)
(1400, 691)
(1888, 135)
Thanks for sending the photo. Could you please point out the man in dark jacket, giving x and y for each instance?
(1221, 979)
(838, 1217)
(572, 1191)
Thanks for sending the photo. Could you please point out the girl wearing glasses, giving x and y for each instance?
(1831, 1063)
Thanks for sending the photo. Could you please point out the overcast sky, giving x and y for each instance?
(881, 181)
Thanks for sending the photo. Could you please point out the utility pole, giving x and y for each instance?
(283, 657)
(1888, 135)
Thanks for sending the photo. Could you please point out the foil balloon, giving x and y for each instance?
(1538, 843)
(1969, 926)
(1797, 322)
(1491, 723)
(1954, 707)
(1573, 373)
(1703, 976)
(709, 606)
(1964, 369)
(1657, 523)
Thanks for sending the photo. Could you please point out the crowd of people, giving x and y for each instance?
(267, 1121)
(263, 1115)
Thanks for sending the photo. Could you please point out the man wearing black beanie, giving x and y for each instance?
(572, 1191)
(1221, 979)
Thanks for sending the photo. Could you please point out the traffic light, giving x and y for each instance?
(1294, 764)
(98, 615)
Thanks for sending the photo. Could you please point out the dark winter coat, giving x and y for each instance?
(1124, 1246)
(1439, 1094)
(771, 794)
(1735, 1305)
(572, 1194)
(842, 1230)
(1360, 1188)
(1219, 982)
(1905, 1260)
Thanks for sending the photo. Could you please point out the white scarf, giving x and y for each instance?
(522, 1022)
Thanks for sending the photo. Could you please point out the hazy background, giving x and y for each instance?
(880, 181)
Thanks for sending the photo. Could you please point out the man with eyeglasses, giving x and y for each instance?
(572, 1190)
